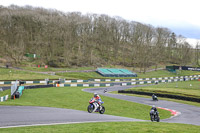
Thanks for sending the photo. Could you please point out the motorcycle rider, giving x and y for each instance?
(154, 97)
(97, 100)
(155, 110)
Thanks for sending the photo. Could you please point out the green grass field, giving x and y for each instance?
(6, 92)
(187, 88)
(81, 75)
(165, 73)
(153, 74)
(109, 127)
(12, 74)
(51, 69)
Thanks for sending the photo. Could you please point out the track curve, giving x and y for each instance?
(189, 114)
(12, 116)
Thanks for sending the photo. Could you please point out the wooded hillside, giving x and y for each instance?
(68, 39)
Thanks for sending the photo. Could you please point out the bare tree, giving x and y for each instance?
(67, 39)
(160, 41)
(197, 53)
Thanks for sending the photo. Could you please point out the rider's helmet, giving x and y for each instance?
(95, 94)
(153, 106)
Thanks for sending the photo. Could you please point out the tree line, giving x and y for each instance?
(73, 39)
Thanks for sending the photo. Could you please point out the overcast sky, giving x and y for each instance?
(181, 16)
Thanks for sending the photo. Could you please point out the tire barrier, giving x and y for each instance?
(38, 86)
(162, 95)
(4, 98)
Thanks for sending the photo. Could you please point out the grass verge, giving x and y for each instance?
(109, 127)
(51, 69)
(153, 74)
(187, 88)
(74, 98)
(165, 73)
(12, 74)
(81, 75)
(3, 93)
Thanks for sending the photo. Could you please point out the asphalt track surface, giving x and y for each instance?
(15, 116)
(189, 114)
(12, 116)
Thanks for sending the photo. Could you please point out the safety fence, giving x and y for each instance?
(4, 98)
(43, 82)
(144, 79)
(126, 83)
(60, 81)
(85, 85)
(157, 81)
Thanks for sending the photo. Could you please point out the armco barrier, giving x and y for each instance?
(4, 98)
(38, 86)
(5, 88)
(162, 95)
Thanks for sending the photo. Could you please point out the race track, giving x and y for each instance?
(189, 114)
(12, 116)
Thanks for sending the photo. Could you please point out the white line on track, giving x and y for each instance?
(66, 123)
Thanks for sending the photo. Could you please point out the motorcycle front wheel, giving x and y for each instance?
(90, 108)
(158, 119)
(102, 110)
